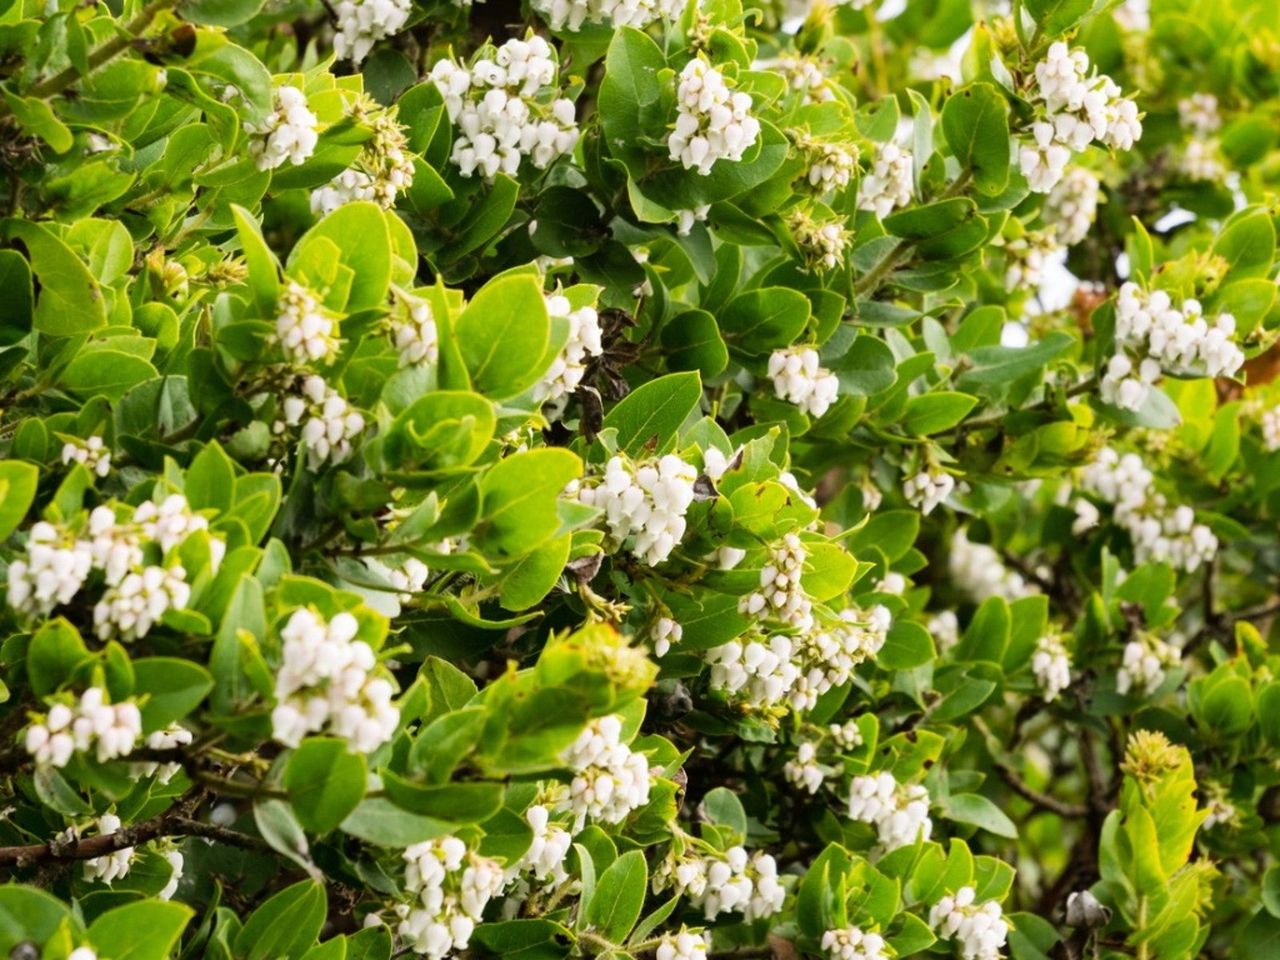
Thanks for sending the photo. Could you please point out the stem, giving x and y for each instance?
(112, 48)
(1021, 787)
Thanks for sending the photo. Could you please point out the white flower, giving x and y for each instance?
(450, 887)
(499, 118)
(289, 134)
(53, 570)
(307, 334)
(803, 769)
(759, 670)
(1026, 258)
(1159, 532)
(684, 944)
(799, 378)
(685, 219)
(728, 882)
(171, 521)
(572, 14)
(899, 812)
(326, 682)
(1051, 666)
(413, 328)
(664, 633)
(928, 488)
(408, 576)
(131, 608)
(713, 122)
(1270, 421)
(823, 244)
(781, 595)
(1202, 160)
(944, 627)
(1144, 664)
(382, 171)
(887, 185)
(1072, 206)
(169, 738)
(176, 863)
(545, 858)
(113, 865)
(92, 452)
(328, 424)
(82, 953)
(362, 23)
(850, 943)
(979, 930)
(831, 167)
(846, 735)
(1198, 113)
(610, 780)
(644, 504)
(570, 364)
(978, 571)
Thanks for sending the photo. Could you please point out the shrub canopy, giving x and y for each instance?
(628, 478)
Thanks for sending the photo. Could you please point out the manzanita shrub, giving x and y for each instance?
(639, 479)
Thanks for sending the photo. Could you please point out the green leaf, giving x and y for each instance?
(325, 782)
(107, 373)
(759, 321)
(995, 365)
(27, 914)
(691, 341)
(18, 482)
(369, 259)
(38, 119)
(469, 802)
(1056, 17)
(907, 646)
(284, 927)
(975, 809)
(975, 121)
(264, 272)
(18, 305)
(519, 496)
(619, 896)
(534, 576)
(500, 334)
(70, 301)
(173, 689)
(55, 652)
(221, 13)
(148, 930)
(648, 419)
(935, 412)
(1247, 243)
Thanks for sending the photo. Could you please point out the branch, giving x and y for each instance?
(101, 54)
(1021, 787)
(172, 824)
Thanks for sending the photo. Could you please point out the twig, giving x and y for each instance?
(100, 55)
(1021, 787)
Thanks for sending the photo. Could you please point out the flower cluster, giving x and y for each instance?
(804, 76)
(1052, 666)
(382, 171)
(362, 23)
(499, 116)
(170, 738)
(128, 610)
(572, 14)
(1072, 205)
(1270, 422)
(977, 570)
(888, 184)
(407, 577)
(823, 242)
(803, 770)
(1152, 335)
(978, 929)
(570, 364)
(684, 944)
(826, 657)
(1145, 662)
(644, 504)
(544, 860)
(1026, 257)
(799, 378)
(306, 332)
(93, 453)
(325, 682)
(944, 627)
(830, 165)
(727, 882)
(451, 887)
(665, 632)
(713, 122)
(55, 567)
(1159, 533)
(928, 488)
(781, 595)
(114, 865)
(850, 943)
(1078, 109)
(289, 133)
(93, 723)
(328, 422)
(899, 812)
(609, 778)
(413, 328)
